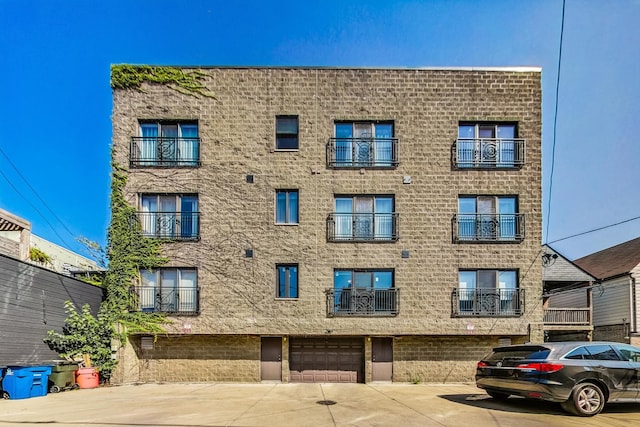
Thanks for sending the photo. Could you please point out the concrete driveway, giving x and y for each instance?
(319, 405)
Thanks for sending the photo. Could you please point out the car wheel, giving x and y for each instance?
(586, 400)
(498, 395)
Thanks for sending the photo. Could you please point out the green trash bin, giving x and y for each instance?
(63, 377)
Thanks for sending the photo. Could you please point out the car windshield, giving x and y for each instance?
(519, 353)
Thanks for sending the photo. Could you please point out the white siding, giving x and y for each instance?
(570, 299)
(611, 302)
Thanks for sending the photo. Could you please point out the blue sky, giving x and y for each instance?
(56, 101)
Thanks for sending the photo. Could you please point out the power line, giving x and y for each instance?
(555, 122)
(595, 229)
(39, 198)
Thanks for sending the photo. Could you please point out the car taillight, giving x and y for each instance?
(481, 364)
(541, 367)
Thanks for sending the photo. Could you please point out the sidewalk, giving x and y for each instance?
(320, 405)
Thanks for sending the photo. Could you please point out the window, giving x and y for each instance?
(286, 132)
(287, 280)
(169, 290)
(488, 145)
(286, 206)
(488, 218)
(170, 216)
(364, 292)
(487, 293)
(363, 144)
(174, 144)
(363, 218)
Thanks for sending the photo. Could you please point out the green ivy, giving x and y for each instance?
(125, 76)
(37, 255)
(128, 252)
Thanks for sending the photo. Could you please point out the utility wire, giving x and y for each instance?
(39, 198)
(555, 123)
(595, 229)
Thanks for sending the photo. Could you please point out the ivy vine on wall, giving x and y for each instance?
(128, 252)
(125, 76)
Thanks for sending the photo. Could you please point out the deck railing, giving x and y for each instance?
(362, 302)
(567, 316)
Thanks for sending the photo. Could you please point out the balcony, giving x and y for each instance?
(170, 225)
(165, 152)
(487, 302)
(367, 302)
(179, 301)
(362, 153)
(479, 228)
(362, 227)
(567, 319)
(488, 153)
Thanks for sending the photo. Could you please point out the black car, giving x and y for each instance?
(582, 376)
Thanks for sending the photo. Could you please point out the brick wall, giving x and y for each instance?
(237, 129)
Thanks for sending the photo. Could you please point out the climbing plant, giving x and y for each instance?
(125, 76)
(40, 256)
(127, 253)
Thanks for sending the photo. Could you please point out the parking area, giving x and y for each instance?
(295, 405)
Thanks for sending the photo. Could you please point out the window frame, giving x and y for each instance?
(501, 227)
(177, 222)
(151, 143)
(284, 293)
(284, 135)
(287, 220)
(172, 297)
(505, 157)
(352, 152)
(475, 300)
(374, 225)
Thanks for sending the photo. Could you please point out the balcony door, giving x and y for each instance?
(364, 218)
(487, 218)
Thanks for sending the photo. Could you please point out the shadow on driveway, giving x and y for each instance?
(530, 406)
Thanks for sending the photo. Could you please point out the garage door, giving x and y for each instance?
(331, 360)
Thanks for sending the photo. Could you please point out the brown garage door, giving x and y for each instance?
(330, 360)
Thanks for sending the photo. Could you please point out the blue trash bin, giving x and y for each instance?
(23, 382)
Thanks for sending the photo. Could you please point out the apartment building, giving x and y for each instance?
(334, 224)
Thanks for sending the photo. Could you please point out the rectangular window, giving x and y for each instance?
(364, 292)
(489, 145)
(363, 218)
(363, 144)
(286, 206)
(488, 219)
(287, 280)
(488, 292)
(286, 132)
(170, 216)
(163, 143)
(169, 290)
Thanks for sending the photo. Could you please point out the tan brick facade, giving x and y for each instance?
(238, 294)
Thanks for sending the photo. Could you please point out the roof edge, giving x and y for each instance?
(521, 69)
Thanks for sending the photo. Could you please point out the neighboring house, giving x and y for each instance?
(16, 240)
(32, 300)
(567, 298)
(616, 302)
(334, 224)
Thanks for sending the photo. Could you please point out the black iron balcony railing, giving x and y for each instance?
(488, 228)
(491, 153)
(160, 151)
(487, 302)
(170, 225)
(362, 302)
(362, 227)
(178, 300)
(362, 153)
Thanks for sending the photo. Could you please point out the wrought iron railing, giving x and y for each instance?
(362, 227)
(487, 302)
(164, 152)
(480, 153)
(488, 227)
(362, 153)
(170, 225)
(178, 300)
(567, 316)
(362, 302)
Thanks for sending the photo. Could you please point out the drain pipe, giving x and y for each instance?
(633, 323)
